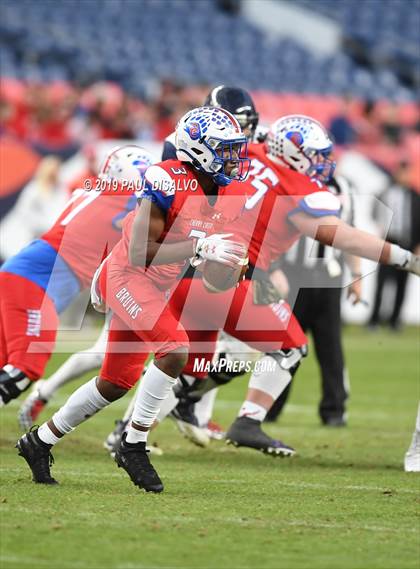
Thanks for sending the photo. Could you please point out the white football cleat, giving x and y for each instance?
(412, 456)
(187, 423)
(31, 408)
(196, 435)
(215, 431)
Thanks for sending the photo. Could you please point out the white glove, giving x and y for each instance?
(405, 260)
(95, 296)
(218, 248)
(413, 265)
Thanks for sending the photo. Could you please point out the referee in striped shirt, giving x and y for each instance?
(311, 276)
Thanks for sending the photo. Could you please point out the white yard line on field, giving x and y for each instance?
(41, 563)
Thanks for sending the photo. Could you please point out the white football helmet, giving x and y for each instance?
(127, 164)
(208, 138)
(303, 144)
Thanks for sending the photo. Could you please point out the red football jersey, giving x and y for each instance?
(174, 187)
(88, 228)
(273, 193)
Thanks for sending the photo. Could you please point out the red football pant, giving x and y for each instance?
(28, 325)
(264, 327)
(142, 322)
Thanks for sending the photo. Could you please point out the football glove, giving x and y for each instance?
(219, 248)
(413, 265)
(405, 260)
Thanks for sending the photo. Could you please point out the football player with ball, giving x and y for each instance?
(169, 227)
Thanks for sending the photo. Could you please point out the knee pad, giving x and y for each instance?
(289, 360)
(274, 381)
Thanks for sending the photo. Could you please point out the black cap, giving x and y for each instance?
(238, 102)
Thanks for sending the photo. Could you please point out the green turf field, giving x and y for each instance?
(344, 501)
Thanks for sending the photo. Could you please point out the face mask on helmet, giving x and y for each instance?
(248, 123)
(323, 166)
(302, 144)
(212, 141)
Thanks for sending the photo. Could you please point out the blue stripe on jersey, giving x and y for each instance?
(41, 264)
(162, 200)
(313, 211)
(130, 205)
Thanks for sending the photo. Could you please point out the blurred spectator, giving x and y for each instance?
(13, 118)
(49, 131)
(416, 126)
(367, 127)
(341, 125)
(60, 117)
(390, 124)
(168, 107)
(90, 172)
(404, 230)
(36, 209)
(230, 6)
(144, 122)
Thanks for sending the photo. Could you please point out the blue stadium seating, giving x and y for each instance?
(134, 43)
(387, 30)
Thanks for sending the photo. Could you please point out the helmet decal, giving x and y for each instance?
(142, 164)
(295, 137)
(194, 130)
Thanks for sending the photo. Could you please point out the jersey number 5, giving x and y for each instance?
(263, 179)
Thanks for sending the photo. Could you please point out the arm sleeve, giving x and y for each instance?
(130, 205)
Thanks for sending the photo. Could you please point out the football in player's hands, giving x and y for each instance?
(218, 277)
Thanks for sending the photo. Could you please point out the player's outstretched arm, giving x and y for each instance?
(332, 231)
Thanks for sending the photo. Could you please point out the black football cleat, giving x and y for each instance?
(134, 459)
(38, 456)
(247, 432)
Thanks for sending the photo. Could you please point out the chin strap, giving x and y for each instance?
(222, 179)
